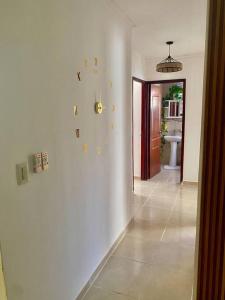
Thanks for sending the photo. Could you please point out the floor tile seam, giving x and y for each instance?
(178, 226)
(164, 197)
(169, 217)
(114, 292)
(167, 223)
(158, 207)
(148, 265)
(147, 197)
(174, 203)
(152, 264)
(155, 185)
(182, 198)
(172, 226)
(129, 235)
(183, 213)
(169, 190)
(141, 206)
(161, 209)
(132, 259)
(182, 246)
(152, 191)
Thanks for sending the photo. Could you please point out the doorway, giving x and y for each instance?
(137, 95)
(158, 118)
(167, 126)
(163, 232)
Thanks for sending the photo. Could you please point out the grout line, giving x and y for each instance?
(114, 292)
(132, 259)
(164, 231)
(155, 186)
(170, 216)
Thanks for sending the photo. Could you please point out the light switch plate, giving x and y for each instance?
(22, 173)
(37, 163)
(44, 156)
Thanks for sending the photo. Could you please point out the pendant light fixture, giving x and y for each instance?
(169, 64)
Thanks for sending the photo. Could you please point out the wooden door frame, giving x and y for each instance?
(143, 82)
(211, 257)
(183, 119)
(145, 125)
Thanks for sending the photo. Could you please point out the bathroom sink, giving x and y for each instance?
(173, 138)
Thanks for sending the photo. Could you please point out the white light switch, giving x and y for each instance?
(22, 173)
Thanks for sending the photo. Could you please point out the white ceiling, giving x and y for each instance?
(157, 21)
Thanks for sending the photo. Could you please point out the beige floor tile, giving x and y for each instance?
(142, 199)
(100, 294)
(169, 187)
(181, 228)
(161, 202)
(182, 219)
(165, 193)
(143, 191)
(153, 215)
(188, 194)
(150, 184)
(187, 203)
(156, 258)
(183, 235)
(137, 202)
(143, 281)
(169, 285)
(145, 230)
(124, 276)
(157, 253)
(174, 180)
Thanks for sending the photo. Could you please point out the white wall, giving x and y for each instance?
(137, 99)
(138, 65)
(193, 73)
(56, 229)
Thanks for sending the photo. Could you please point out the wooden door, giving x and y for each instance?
(155, 138)
(211, 261)
(145, 132)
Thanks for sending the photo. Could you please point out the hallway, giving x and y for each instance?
(155, 261)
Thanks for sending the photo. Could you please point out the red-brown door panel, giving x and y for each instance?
(155, 138)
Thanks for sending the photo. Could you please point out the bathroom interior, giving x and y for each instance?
(171, 125)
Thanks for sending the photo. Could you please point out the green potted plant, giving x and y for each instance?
(176, 92)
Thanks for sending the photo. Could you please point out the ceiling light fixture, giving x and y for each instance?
(169, 64)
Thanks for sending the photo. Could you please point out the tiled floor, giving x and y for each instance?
(155, 260)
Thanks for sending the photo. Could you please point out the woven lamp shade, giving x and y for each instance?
(169, 65)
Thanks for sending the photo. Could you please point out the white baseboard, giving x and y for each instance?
(185, 182)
